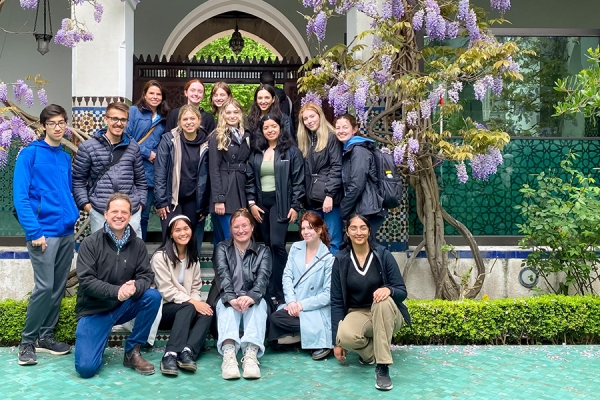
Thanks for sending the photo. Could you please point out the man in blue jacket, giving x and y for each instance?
(47, 212)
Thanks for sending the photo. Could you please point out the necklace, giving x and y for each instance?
(242, 252)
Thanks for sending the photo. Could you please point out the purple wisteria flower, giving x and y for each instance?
(368, 7)
(3, 159)
(481, 86)
(513, 66)
(399, 152)
(425, 109)
(310, 27)
(29, 4)
(68, 133)
(3, 92)
(501, 5)
(344, 6)
(340, 97)
(435, 96)
(435, 24)
(497, 86)
(410, 162)
(412, 118)
(360, 101)
(398, 8)
(452, 29)
(22, 131)
(320, 25)
(461, 172)
(98, 11)
(310, 3)
(418, 20)
(19, 90)
(311, 97)
(471, 23)
(463, 10)
(398, 130)
(386, 64)
(386, 9)
(453, 93)
(485, 165)
(413, 145)
(42, 96)
(480, 126)
(29, 98)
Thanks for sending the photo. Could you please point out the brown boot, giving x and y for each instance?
(134, 359)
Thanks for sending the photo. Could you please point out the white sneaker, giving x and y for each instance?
(250, 366)
(229, 367)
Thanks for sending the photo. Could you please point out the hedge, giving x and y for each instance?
(548, 319)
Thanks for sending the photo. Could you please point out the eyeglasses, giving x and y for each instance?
(354, 229)
(52, 124)
(238, 228)
(115, 120)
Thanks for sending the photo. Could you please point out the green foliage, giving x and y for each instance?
(12, 315)
(536, 320)
(582, 89)
(220, 48)
(561, 227)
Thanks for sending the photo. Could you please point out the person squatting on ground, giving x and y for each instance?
(306, 284)
(229, 150)
(367, 291)
(242, 269)
(359, 175)
(114, 276)
(275, 191)
(181, 172)
(110, 162)
(47, 212)
(176, 267)
(323, 169)
(146, 126)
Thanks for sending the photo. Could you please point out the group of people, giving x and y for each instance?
(242, 172)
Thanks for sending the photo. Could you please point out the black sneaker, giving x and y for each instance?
(185, 360)
(27, 354)
(48, 344)
(366, 362)
(168, 365)
(382, 377)
(320, 354)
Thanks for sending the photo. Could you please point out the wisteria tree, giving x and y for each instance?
(416, 76)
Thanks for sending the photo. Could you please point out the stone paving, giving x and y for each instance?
(419, 372)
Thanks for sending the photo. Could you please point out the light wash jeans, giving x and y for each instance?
(335, 227)
(98, 221)
(255, 326)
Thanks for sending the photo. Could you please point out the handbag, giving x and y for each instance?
(317, 188)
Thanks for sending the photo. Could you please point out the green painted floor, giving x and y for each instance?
(419, 372)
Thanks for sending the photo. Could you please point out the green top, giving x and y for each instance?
(267, 176)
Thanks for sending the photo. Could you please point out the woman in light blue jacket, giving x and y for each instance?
(306, 284)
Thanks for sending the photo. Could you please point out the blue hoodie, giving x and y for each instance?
(355, 140)
(42, 191)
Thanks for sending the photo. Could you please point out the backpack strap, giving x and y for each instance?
(147, 134)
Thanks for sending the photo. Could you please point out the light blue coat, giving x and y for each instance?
(312, 293)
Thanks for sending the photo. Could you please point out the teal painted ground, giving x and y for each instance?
(419, 372)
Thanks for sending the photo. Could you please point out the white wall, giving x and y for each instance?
(19, 56)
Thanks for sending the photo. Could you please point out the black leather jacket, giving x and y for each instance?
(256, 272)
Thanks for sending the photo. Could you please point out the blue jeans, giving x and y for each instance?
(255, 326)
(146, 212)
(220, 225)
(92, 331)
(334, 223)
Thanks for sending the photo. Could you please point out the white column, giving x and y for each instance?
(104, 66)
(357, 22)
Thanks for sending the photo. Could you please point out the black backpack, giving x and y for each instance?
(391, 184)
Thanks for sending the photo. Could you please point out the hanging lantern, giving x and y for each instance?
(236, 43)
(43, 39)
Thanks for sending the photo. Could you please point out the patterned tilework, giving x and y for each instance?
(418, 372)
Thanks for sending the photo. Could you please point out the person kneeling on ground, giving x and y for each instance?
(367, 291)
(306, 285)
(176, 267)
(114, 287)
(242, 271)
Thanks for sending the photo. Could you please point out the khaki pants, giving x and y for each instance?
(369, 332)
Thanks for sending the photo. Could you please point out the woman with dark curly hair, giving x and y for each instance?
(275, 191)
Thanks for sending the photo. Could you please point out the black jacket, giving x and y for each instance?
(228, 173)
(328, 164)
(163, 174)
(289, 181)
(101, 270)
(284, 106)
(359, 177)
(207, 123)
(127, 176)
(256, 270)
(390, 273)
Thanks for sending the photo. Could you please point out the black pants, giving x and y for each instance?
(187, 208)
(283, 324)
(274, 235)
(188, 327)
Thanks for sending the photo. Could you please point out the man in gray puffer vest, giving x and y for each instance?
(108, 163)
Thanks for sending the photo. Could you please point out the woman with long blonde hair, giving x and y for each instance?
(322, 169)
(229, 150)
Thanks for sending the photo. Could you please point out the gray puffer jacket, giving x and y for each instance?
(127, 176)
